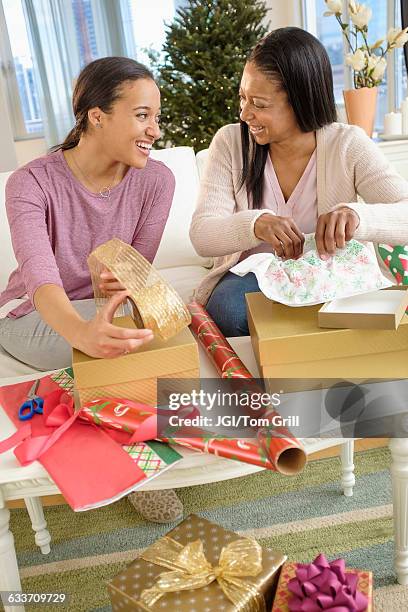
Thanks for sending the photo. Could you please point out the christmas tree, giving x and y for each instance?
(201, 66)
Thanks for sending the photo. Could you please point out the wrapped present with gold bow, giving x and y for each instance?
(153, 304)
(199, 566)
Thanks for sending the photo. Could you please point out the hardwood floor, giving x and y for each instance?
(360, 445)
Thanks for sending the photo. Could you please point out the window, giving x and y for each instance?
(329, 33)
(85, 31)
(17, 64)
(385, 15)
(400, 67)
(44, 44)
(19, 67)
(146, 25)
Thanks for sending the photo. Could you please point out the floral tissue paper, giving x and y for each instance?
(309, 280)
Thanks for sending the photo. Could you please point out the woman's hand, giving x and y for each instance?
(334, 229)
(109, 284)
(100, 338)
(282, 233)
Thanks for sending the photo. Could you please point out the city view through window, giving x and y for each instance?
(144, 25)
(23, 64)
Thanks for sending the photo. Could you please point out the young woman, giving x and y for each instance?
(286, 170)
(99, 184)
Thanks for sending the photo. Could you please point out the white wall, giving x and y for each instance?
(26, 150)
(283, 13)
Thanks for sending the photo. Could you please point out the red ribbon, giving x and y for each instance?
(321, 585)
(59, 414)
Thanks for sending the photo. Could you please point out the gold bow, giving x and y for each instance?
(155, 304)
(191, 570)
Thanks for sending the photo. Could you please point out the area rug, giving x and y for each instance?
(301, 515)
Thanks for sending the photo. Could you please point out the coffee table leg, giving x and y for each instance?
(399, 475)
(9, 576)
(347, 479)
(39, 524)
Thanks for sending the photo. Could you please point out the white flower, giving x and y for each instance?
(397, 37)
(376, 67)
(356, 60)
(360, 14)
(379, 69)
(377, 44)
(372, 61)
(335, 7)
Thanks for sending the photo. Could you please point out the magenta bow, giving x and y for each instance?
(321, 585)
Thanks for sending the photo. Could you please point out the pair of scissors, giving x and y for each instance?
(33, 405)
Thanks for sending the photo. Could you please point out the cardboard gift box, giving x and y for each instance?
(375, 310)
(126, 589)
(283, 595)
(288, 343)
(135, 376)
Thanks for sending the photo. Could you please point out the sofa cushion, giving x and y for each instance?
(7, 259)
(184, 279)
(175, 247)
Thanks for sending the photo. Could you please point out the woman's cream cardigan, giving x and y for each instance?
(349, 163)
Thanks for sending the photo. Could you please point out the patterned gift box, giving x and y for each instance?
(126, 588)
(283, 595)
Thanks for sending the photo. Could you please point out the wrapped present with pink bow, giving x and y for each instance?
(323, 586)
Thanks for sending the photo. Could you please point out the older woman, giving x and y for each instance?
(286, 170)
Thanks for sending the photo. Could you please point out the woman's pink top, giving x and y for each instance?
(55, 222)
(301, 206)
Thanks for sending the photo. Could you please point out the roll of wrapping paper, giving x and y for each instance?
(282, 449)
(154, 303)
(125, 416)
(120, 414)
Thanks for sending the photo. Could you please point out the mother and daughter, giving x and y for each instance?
(286, 169)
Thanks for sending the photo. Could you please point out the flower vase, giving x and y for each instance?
(360, 107)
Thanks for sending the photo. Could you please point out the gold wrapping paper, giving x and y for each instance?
(191, 570)
(155, 304)
(126, 589)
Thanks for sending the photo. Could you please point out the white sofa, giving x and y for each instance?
(176, 258)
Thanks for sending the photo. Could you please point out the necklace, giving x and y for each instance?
(104, 192)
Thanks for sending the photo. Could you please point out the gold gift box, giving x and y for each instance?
(126, 588)
(288, 343)
(135, 376)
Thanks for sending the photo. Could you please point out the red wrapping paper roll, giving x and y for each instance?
(129, 417)
(282, 449)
